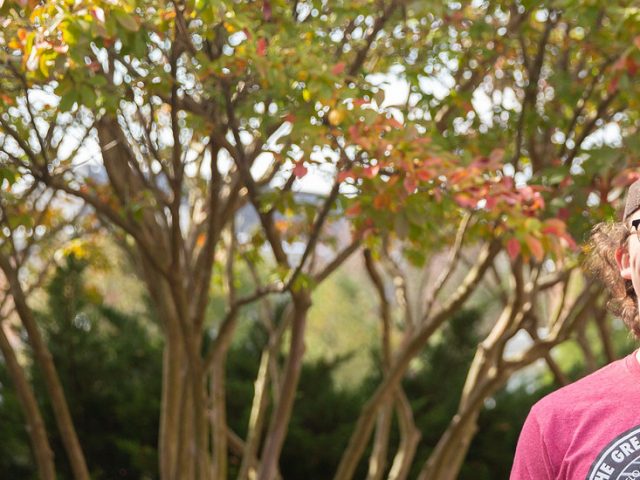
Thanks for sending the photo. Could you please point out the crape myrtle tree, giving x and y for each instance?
(167, 118)
(555, 103)
(32, 229)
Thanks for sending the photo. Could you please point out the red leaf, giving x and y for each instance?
(554, 226)
(490, 202)
(424, 175)
(614, 84)
(571, 243)
(261, 47)
(526, 193)
(300, 170)
(338, 68)
(620, 64)
(458, 176)
(354, 133)
(632, 67)
(371, 171)
(266, 10)
(409, 184)
(563, 213)
(566, 181)
(513, 248)
(342, 176)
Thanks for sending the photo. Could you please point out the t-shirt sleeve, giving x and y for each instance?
(531, 461)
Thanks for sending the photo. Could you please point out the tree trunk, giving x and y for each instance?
(256, 419)
(49, 373)
(378, 458)
(267, 374)
(35, 424)
(184, 466)
(168, 438)
(219, 418)
(282, 412)
(409, 438)
(446, 460)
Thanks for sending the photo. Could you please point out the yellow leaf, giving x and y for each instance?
(336, 116)
(43, 65)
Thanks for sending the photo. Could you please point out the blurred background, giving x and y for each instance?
(302, 239)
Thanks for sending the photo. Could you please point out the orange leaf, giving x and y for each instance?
(535, 247)
(465, 201)
(281, 225)
(394, 123)
(381, 201)
(354, 210)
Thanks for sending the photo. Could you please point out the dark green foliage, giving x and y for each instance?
(110, 367)
(16, 460)
(322, 421)
(491, 453)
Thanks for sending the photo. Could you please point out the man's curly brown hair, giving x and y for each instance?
(600, 262)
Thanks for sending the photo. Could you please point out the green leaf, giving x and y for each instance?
(8, 174)
(127, 21)
(67, 101)
(88, 96)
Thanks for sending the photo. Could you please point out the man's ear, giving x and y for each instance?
(624, 263)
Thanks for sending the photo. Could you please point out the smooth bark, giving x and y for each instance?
(32, 415)
(44, 361)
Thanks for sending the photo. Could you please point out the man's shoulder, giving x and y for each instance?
(588, 393)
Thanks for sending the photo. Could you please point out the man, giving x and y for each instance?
(591, 429)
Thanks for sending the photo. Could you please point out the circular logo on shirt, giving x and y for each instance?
(620, 460)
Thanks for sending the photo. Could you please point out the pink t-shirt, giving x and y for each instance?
(587, 430)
